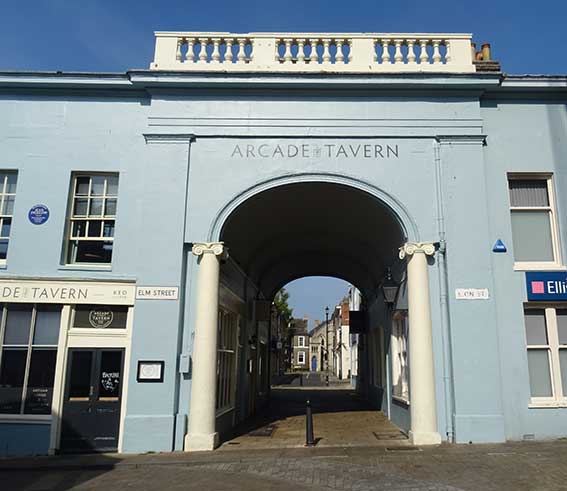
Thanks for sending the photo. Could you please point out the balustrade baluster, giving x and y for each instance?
(385, 52)
(190, 55)
(180, 42)
(339, 57)
(215, 56)
(314, 56)
(265, 52)
(241, 56)
(228, 56)
(203, 56)
(436, 53)
(277, 55)
(411, 51)
(287, 57)
(398, 57)
(300, 51)
(447, 51)
(423, 56)
(326, 52)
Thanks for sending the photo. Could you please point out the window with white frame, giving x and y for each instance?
(400, 375)
(226, 360)
(534, 224)
(301, 358)
(301, 341)
(8, 182)
(546, 339)
(28, 354)
(92, 218)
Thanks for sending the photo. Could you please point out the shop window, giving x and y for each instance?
(400, 372)
(546, 339)
(100, 317)
(92, 216)
(226, 362)
(7, 199)
(28, 355)
(534, 227)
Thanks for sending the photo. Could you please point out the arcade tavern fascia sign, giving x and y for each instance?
(355, 150)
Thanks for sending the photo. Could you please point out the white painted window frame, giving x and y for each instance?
(227, 362)
(551, 209)
(301, 342)
(29, 347)
(72, 218)
(301, 357)
(400, 357)
(559, 392)
(3, 195)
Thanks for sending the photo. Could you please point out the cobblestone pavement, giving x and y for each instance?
(340, 416)
(508, 467)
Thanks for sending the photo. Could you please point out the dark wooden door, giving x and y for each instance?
(93, 394)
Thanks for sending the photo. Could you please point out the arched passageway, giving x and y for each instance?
(314, 228)
(274, 236)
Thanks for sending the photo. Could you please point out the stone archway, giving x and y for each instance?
(305, 225)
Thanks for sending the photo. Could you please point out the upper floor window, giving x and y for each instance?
(7, 198)
(91, 218)
(301, 341)
(534, 225)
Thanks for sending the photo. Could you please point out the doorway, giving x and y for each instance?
(93, 394)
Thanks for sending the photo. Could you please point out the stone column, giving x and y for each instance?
(201, 434)
(422, 379)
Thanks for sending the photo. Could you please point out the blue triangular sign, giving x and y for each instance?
(499, 246)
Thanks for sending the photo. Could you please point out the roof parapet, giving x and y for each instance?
(313, 52)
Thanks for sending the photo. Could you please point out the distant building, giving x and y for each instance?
(319, 345)
(300, 344)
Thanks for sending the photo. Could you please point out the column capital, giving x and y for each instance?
(411, 248)
(216, 248)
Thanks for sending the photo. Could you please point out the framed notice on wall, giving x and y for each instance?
(150, 371)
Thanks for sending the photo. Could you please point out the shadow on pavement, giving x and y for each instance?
(289, 398)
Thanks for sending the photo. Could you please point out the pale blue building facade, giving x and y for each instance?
(134, 169)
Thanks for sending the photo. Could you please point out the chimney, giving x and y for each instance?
(483, 59)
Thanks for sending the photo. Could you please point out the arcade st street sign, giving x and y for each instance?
(545, 286)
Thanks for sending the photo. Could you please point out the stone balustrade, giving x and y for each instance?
(310, 52)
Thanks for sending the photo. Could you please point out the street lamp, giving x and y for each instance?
(327, 344)
(389, 289)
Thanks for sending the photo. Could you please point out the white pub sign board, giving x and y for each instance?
(157, 293)
(66, 292)
(472, 294)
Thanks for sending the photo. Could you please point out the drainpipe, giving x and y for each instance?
(444, 303)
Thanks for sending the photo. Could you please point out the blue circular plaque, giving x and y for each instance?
(38, 214)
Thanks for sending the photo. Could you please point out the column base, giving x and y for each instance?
(198, 442)
(424, 438)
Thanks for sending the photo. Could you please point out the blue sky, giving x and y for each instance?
(310, 296)
(116, 35)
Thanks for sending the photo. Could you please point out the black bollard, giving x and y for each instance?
(309, 438)
(327, 380)
(301, 380)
